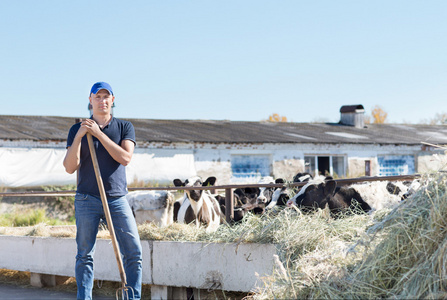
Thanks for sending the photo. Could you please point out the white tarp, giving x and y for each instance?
(33, 167)
(22, 167)
(160, 167)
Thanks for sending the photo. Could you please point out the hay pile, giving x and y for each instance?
(402, 256)
(409, 259)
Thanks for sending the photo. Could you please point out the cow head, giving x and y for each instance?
(265, 193)
(280, 195)
(196, 181)
(247, 195)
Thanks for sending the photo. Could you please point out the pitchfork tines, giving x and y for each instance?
(123, 293)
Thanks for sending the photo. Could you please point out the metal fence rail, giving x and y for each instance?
(228, 189)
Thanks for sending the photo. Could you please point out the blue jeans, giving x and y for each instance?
(89, 212)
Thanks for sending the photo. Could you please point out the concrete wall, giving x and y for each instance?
(226, 267)
(56, 256)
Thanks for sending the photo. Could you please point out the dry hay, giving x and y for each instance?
(402, 256)
(409, 261)
(44, 230)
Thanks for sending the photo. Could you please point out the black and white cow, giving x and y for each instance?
(273, 196)
(368, 196)
(244, 202)
(246, 195)
(403, 189)
(265, 193)
(256, 200)
(412, 188)
(199, 206)
(384, 194)
(152, 206)
(280, 196)
(318, 193)
(249, 199)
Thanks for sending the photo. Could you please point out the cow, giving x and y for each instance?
(318, 193)
(347, 199)
(273, 196)
(249, 199)
(257, 200)
(383, 194)
(199, 205)
(280, 196)
(245, 195)
(152, 206)
(369, 196)
(413, 187)
(244, 202)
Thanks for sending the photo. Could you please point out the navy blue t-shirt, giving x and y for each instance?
(113, 173)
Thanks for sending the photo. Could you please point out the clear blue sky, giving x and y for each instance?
(234, 60)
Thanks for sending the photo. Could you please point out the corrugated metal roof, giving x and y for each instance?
(41, 128)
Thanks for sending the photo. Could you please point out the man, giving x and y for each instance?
(114, 141)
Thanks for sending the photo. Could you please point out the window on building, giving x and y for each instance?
(324, 165)
(338, 166)
(250, 166)
(392, 165)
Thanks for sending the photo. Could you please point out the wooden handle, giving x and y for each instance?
(106, 208)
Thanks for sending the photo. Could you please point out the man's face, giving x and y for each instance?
(101, 102)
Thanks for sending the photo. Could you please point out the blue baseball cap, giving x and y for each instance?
(101, 86)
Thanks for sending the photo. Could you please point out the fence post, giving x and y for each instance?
(229, 205)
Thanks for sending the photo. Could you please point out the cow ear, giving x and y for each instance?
(279, 180)
(329, 187)
(210, 181)
(178, 182)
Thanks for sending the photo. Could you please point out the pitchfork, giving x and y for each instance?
(123, 291)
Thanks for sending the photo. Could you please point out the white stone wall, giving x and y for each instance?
(160, 163)
(427, 161)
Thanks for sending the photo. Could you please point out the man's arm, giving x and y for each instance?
(121, 153)
(73, 156)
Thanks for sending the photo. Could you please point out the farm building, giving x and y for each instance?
(32, 149)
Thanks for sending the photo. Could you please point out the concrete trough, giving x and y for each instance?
(166, 265)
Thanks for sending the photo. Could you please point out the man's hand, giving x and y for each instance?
(89, 125)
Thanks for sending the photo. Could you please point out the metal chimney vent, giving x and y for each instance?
(352, 115)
